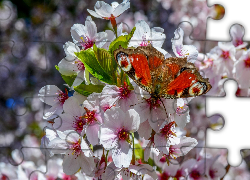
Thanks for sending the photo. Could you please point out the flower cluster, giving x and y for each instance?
(228, 60)
(109, 112)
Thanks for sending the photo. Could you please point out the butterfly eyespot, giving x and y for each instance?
(197, 89)
(124, 61)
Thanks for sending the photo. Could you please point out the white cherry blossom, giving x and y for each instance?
(144, 36)
(115, 134)
(105, 11)
(71, 65)
(77, 152)
(242, 70)
(181, 50)
(54, 97)
(86, 36)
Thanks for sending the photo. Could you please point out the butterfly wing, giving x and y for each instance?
(134, 62)
(170, 78)
(187, 82)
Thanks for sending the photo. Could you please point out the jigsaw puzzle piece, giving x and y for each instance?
(229, 136)
(219, 30)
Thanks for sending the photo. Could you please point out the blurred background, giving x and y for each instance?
(32, 36)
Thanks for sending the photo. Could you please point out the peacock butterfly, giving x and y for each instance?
(172, 77)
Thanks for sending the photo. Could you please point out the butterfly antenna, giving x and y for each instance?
(164, 107)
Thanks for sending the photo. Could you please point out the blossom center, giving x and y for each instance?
(195, 174)
(144, 41)
(123, 134)
(225, 54)
(62, 97)
(212, 173)
(153, 102)
(78, 124)
(86, 44)
(80, 65)
(76, 147)
(124, 91)
(167, 130)
(239, 42)
(164, 176)
(247, 62)
(89, 116)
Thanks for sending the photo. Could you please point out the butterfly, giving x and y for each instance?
(169, 78)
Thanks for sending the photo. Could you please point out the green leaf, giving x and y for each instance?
(121, 41)
(88, 89)
(68, 79)
(92, 65)
(106, 61)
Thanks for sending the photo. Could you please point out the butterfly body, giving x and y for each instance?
(169, 78)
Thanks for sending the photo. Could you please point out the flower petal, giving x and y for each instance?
(70, 163)
(121, 8)
(103, 9)
(92, 132)
(121, 159)
(72, 107)
(91, 28)
(93, 13)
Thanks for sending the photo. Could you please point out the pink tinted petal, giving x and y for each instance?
(124, 146)
(161, 144)
(87, 164)
(145, 130)
(92, 132)
(64, 122)
(121, 159)
(70, 163)
(114, 118)
(132, 120)
(108, 139)
(177, 42)
(72, 107)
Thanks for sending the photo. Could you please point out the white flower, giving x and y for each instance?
(87, 35)
(144, 36)
(226, 58)
(122, 96)
(71, 65)
(105, 11)
(72, 118)
(237, 33)
(77, 152)
(181, 50)
(214, 170)
(242, 70)
(54, 97)
(166, 136)
(181, 116)
(153, 111)
(115, 134)
(186, 144)
(92, 117)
